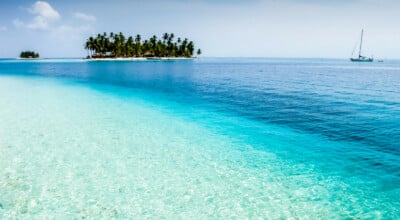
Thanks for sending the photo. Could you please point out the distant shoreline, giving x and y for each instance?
(138, 58)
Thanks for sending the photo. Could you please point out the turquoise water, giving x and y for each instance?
(211, 138)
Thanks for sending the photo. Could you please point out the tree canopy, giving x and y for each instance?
(29, 54)
(117, 45)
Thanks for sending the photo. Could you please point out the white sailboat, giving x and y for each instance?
(360, 57)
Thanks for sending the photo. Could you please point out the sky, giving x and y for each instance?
(221, 28)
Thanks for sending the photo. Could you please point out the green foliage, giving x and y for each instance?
(117, 45)
(29, 54)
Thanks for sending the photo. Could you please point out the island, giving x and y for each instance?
(29, 55)
(116, 46)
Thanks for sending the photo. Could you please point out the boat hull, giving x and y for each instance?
(361, 60)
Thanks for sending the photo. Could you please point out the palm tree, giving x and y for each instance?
(171, 37)
(90, 46)
(146, 48)
(153, 45)
(122, 45)
(138, 45)
(190, 49)
(165, 37)
(129, 47)
(183, 48)
(170, 45)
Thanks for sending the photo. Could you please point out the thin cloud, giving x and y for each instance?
(3, 28)
(44, 13)
(44, 10)
(18, 23)
(83, 16)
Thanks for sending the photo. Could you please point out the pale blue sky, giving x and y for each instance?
(254, 28)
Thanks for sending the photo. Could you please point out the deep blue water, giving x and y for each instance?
(355, 105)
(341, 100)
(344, 101)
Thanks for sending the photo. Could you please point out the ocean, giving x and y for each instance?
(211, 138)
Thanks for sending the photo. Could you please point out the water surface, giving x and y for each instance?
(210, 138)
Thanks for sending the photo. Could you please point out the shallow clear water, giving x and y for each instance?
(211, 138)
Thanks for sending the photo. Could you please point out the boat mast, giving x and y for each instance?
(359, 53)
